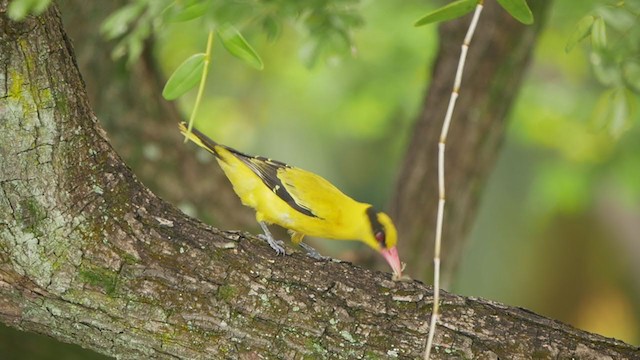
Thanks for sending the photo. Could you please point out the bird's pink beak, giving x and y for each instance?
(391, 255)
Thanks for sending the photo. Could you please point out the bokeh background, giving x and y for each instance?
(558, 231)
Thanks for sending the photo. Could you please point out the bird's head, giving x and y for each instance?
(382, 236)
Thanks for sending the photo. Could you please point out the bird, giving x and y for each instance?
(300, 201)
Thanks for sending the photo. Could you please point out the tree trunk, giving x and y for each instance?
(89, 256)
(497, 60)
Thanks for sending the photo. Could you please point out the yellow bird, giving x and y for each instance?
(300, 201)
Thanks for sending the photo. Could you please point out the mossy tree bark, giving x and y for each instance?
(496, 63)
(89, 256)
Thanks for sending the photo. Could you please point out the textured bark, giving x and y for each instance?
(497, 60)
(142, 125)
(88, 255)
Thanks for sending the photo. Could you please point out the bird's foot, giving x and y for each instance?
(313, 253)
(277, 245)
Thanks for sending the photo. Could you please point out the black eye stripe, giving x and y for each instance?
(376, 226)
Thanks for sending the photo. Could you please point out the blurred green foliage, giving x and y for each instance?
(555, 231)
(614, 31)
(555, 112)
(328, 24)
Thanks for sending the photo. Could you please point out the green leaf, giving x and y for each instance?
(310, 52)
(582, 30)
(271, 26)
(613, 111)
(40, 6)
(604, 68)
(117, 23)
(450, 11)
(599, 34)
(19, 9)
(189, 10)
(518, 9)
(135, 47)
(631, 75)
(620, 108)
(185, 77)
(237, 46)
(602, 110)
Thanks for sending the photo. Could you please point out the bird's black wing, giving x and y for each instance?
(267, 170)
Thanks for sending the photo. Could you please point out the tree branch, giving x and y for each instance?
(88, 255)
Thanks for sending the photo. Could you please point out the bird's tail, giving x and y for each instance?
(199, 138)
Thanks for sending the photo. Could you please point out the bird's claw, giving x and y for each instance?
(313, 253)
(277, 245)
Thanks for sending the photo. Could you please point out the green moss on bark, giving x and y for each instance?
(31, 215)
(226, 292)
(105, 279)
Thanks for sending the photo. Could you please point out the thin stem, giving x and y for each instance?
(441, 189)
(203, 81)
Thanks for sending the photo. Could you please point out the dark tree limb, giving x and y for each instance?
(497, 60)
(89, 256)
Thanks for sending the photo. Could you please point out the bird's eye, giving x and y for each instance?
(381, 238)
